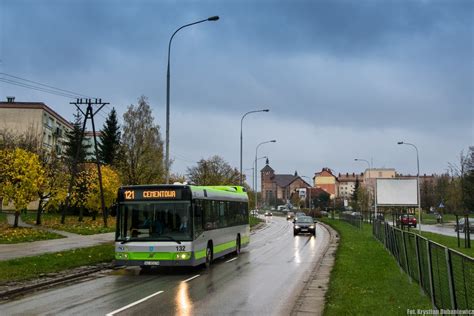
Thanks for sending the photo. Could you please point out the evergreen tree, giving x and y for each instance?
(73, 143)
(356, 190)
(110, 139)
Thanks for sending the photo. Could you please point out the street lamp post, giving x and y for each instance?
(253, 176)
(241, 139)
(417, 180)
(167, 141)
(309, 196)
(373, 190)
(256, 179)
(254, 185)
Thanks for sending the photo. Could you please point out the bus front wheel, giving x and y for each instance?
(237, 245)
(208, 256)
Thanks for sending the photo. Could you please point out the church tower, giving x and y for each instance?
(267, 175)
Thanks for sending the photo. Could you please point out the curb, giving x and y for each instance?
(312, 299)
(31, 287)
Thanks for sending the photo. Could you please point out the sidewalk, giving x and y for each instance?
(312, 299)
(72, 241)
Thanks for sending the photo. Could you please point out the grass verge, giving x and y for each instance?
(450, 242)
(72, 224)
(32, 267)
(366, 279)
(10, 235)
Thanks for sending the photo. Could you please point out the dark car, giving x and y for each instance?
(407, 220)
(304, 224)
(298, 214)
(462, 225)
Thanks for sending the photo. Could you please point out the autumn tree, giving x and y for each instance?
(110, 185)
(55, 181)
(213, 171)
(462, 187)
(468, 180)
(21, 177)
(321, 200)
(176, 177)
(453, 198)
(141, 159)
(110, 139)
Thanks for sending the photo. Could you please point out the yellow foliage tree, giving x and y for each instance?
(110, 185)
(21, 176)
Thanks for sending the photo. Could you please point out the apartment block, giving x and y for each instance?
(34, 119)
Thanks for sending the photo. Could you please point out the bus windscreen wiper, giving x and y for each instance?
(171, 238)
(127, 240)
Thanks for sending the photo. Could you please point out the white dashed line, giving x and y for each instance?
(231, 259)
(196, 276)
(133, 304)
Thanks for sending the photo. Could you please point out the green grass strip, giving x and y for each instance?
(72, 224)
(31, 267)
(451, 242)
(10, 235)
(366, 279)
(254, 220)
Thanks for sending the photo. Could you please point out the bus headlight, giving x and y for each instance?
(121, 255)
(183, 256)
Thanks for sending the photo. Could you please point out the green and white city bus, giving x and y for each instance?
(180, 225)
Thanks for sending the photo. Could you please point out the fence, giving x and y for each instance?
(445, 275)
(354, 220)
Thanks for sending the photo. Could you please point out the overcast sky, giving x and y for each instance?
(342, 79)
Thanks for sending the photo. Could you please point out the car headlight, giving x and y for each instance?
(312, 226)
(296, 226)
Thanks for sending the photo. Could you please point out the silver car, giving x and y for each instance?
(462, 225)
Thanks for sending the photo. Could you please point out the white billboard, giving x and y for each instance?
(397, 192)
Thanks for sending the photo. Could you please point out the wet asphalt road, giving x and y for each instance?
(264, 280)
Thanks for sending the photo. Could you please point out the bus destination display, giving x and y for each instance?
(150, 194)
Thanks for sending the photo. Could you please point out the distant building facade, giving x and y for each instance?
(36, 120)
(277, 188)
(326, 180)
(346, 184)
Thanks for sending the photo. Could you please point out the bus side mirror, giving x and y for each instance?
(198, 212)
(114, 210)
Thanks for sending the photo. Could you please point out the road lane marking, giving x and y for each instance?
(133, 304)
(231, 260)
(192, 278)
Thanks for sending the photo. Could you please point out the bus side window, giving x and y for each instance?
(207, 209)
(222, 214)
(198, 218)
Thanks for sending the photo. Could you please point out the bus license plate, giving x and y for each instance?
(151, 263)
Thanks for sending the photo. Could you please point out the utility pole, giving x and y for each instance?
(88, 114)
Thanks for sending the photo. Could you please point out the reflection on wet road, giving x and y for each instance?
(265, 279)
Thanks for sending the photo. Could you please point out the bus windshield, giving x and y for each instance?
(147, 221)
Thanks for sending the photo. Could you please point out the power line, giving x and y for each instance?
(48, 86)
(25, 85)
